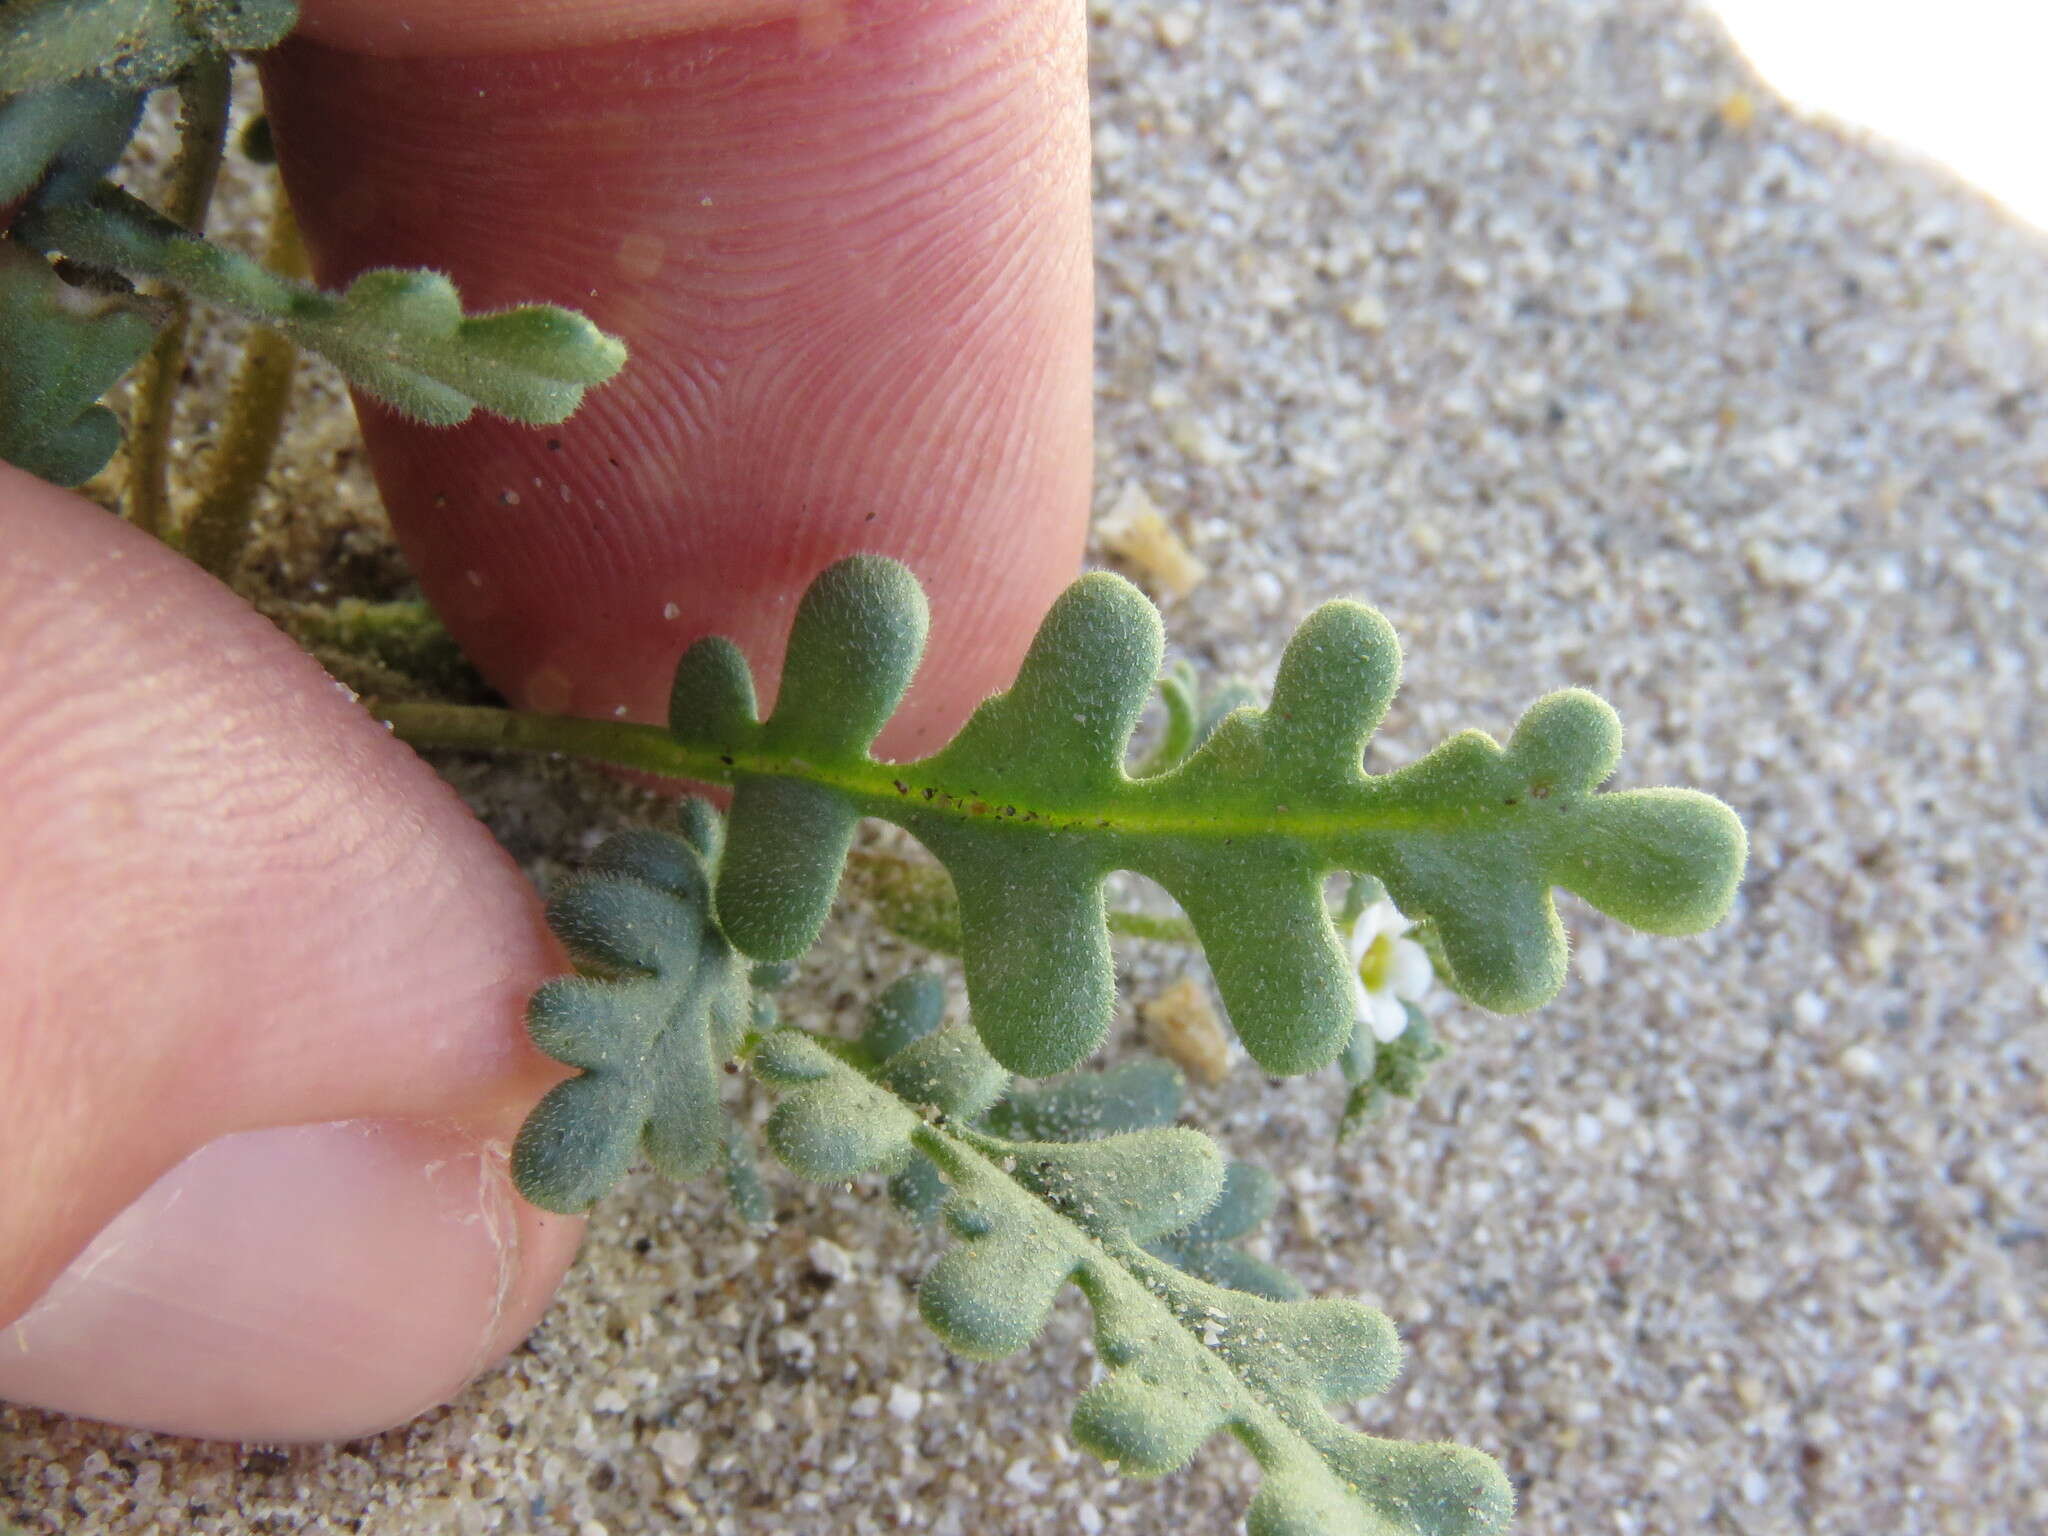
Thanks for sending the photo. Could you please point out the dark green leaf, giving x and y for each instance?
(1206, 1249)
(743, 1186)
(1132, 1096)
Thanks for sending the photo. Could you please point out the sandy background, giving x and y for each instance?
(1538, 324)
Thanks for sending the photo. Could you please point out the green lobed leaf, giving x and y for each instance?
(65, 348)
(134, 43)
(918, 1190)
(903, 1013)
(1136, 1095)
(906, 1047)
(1184, 1357)
(399, 335)
(650, 1032)
(1031, 807)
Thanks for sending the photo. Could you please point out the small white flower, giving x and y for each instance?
(1388, 970)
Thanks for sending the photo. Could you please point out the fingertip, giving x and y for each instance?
(232, 902)
(305, 1283)
(398, 28)
(853, 268)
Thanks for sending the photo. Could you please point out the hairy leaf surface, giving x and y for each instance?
(651, 1032)
(1207, 1249)
(1137, 1095)
(1185, 1358)
(1132, 1096)
(1030, 807)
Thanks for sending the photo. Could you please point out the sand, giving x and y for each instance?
(1540, 325)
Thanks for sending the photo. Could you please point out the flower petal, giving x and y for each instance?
(1388, 1017)
(1363, 932)
(1411, 975)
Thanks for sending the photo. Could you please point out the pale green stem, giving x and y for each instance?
(202, 137)
(621, 743)
(1163, 928)
(220, 529)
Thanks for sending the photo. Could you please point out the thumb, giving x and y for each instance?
(232, 904)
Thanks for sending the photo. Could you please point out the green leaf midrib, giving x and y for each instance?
(1220, 818)
(872, 786)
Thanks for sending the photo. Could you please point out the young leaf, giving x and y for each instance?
(66, 348)
(1030, 807)
(650, 1032)
(903, 1013)
(1184, 1358)
(400, 335)
(1132, 1096)
(1395, 1068)
(1135, 1095)
(946, 1069)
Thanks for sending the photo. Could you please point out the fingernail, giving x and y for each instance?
(304, 1283)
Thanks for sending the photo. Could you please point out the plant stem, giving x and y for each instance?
(621, 743)
(220, 529)
(202, 137)
(1160, 927)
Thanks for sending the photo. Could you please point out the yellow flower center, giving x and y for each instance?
(1376, 965)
